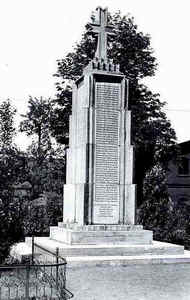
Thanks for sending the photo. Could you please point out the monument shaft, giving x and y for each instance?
(99, 187)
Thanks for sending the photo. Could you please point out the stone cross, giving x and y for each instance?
(101, 28)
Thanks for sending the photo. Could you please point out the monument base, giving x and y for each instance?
(103, 241)
(121, 271)
(80, 254)
(73, 234)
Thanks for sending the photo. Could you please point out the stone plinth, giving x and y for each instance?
(101, 235)
(102, 252)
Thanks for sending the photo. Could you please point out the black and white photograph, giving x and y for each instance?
(94, 150)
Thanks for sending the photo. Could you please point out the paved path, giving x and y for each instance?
(134, 282)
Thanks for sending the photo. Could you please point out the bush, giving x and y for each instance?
(169, 222)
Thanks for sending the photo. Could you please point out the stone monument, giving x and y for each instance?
(99, 194)
(98, 228)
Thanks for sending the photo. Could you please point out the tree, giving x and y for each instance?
(48, 176)
(168, 220)
(12, 170)
(45, 165)
(152, 135)
(37, 123)
(12, 161)
(44, 157)
(40, 217)
(11, 227)
(154, 214)
(7, 128)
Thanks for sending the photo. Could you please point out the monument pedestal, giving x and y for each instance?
(77, 254)
(107, 244)
(73, 234)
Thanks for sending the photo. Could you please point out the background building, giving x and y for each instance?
(179, 177)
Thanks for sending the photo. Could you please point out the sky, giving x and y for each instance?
(35, 33)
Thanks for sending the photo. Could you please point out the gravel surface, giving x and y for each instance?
(134, 282)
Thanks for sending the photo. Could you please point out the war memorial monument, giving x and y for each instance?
(98, 235)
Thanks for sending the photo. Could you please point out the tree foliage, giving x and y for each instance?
(168, 220)
(12, 169)
(48, 176)
(39, 218)
(154, 213)
(7, 128)
(152, 134)
(36, 123)
(42, 166)
(10, 223)
(45, 159)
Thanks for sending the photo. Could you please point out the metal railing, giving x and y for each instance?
(35, 280)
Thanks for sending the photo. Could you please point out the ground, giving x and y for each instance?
(134, 282)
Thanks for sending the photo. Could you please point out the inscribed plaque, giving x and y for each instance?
(106, 204)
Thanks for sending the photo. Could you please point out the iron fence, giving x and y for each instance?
(35, 280)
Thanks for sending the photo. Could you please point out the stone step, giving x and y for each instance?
(100, 237)
(116, 227)
(66, 251)
(103, 261)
